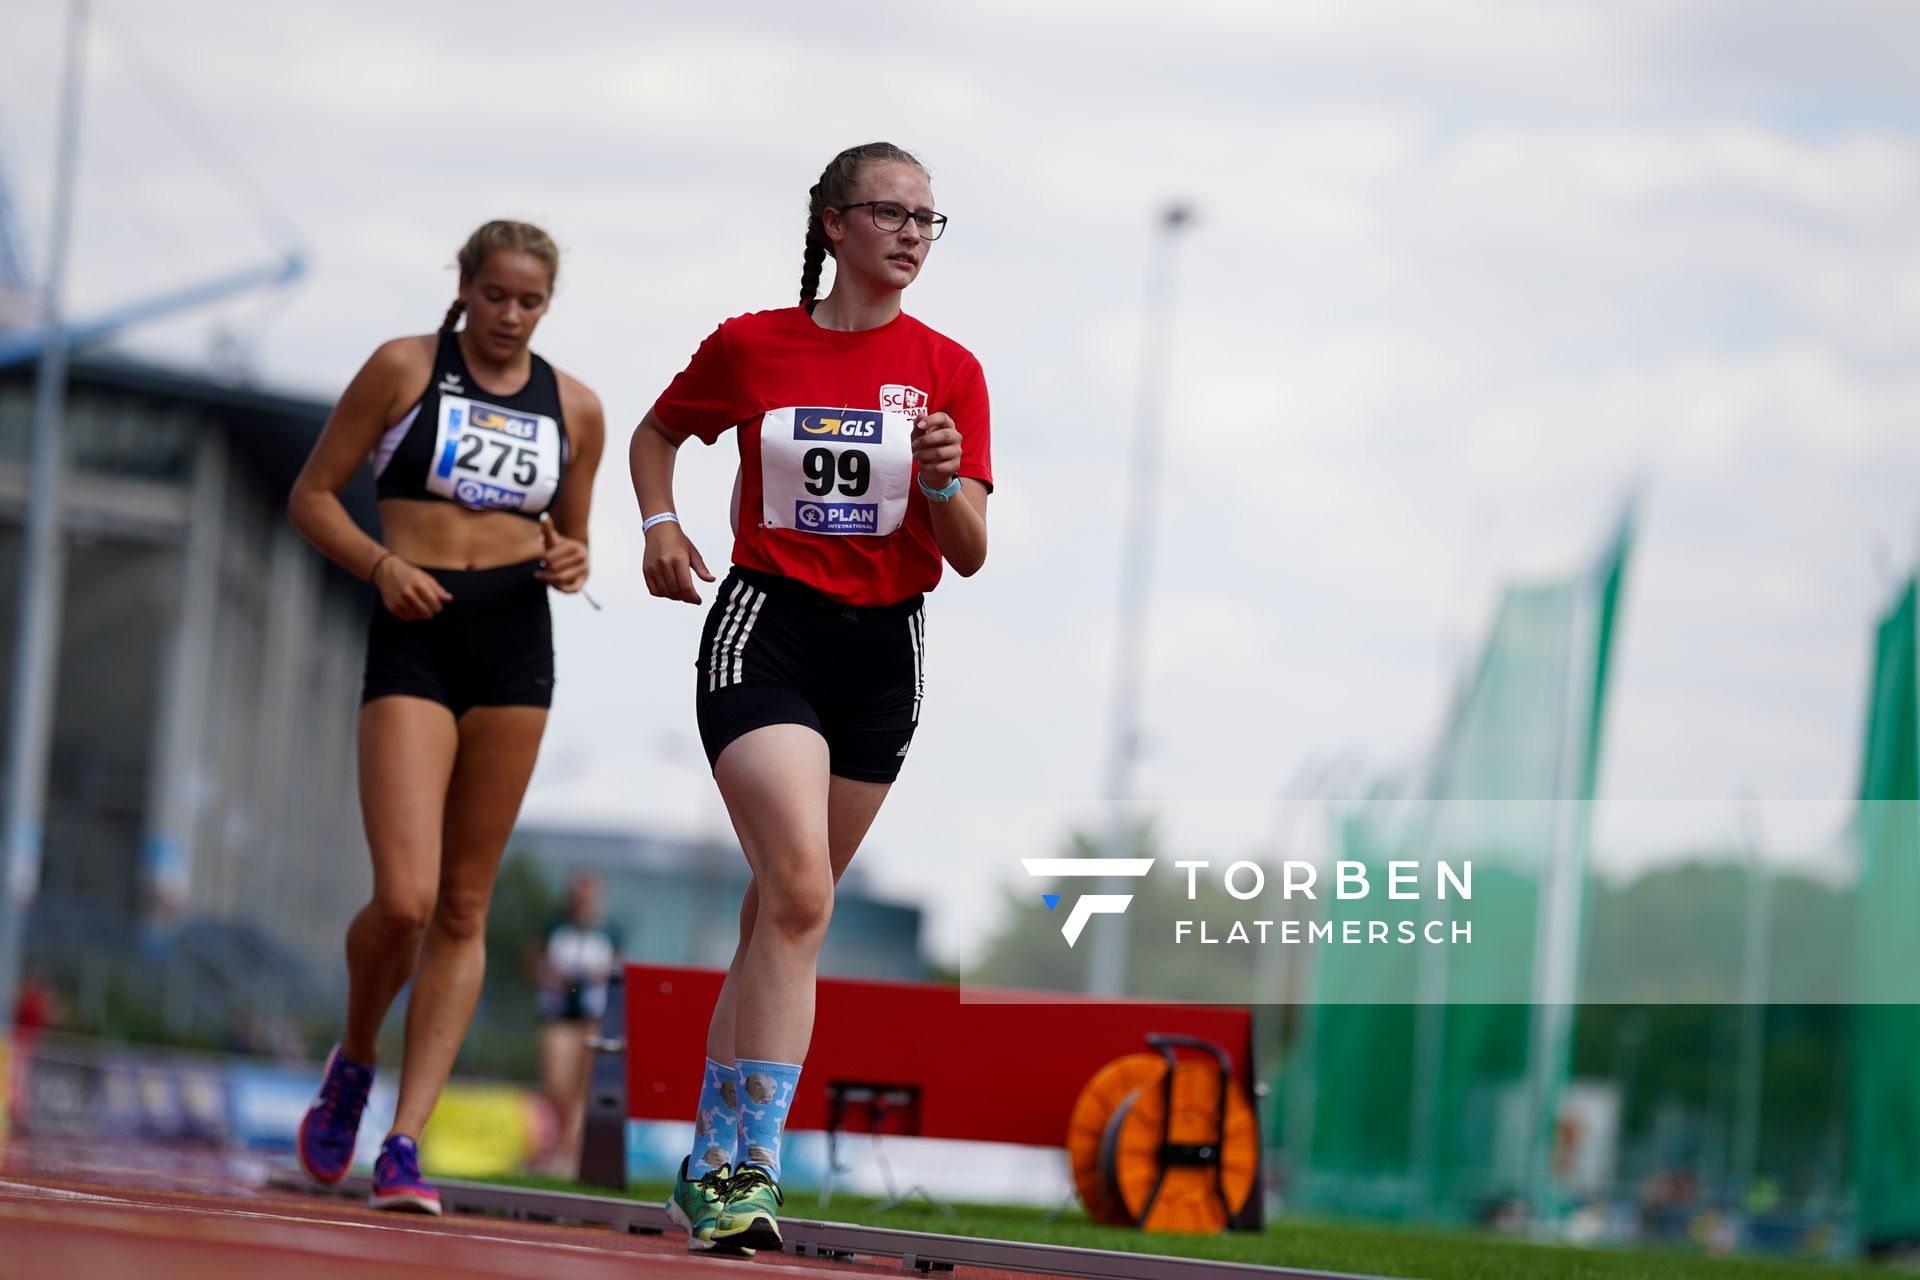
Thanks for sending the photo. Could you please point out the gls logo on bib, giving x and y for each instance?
(492, 418)
(844, 424)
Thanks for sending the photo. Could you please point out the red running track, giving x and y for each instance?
(144, 1213)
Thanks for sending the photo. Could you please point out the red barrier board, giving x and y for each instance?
(982, 1072)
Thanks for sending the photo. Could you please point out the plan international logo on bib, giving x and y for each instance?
(480, 495)
(837, 517)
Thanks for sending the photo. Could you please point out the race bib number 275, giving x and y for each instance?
(490, 458)
(838, 472)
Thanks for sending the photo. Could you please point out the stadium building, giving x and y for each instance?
(201, 765)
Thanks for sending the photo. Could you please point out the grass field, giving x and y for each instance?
(1370, 1250)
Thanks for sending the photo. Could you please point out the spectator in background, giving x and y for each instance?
(575, 967)
(34, 1010)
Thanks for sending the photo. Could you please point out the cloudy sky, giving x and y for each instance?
(1462, 274)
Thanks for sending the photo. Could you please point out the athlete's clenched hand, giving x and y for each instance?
(409, 592)
(936, 450)
(671, 561)
(564, 560)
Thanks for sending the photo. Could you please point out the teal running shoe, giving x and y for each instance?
(696, 1204)
(751, 1217)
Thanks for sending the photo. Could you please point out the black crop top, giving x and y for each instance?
(487, 452)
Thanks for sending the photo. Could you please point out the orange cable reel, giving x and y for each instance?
(1148, 1146)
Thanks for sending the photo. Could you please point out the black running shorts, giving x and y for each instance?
(775, 651)
(491, 646)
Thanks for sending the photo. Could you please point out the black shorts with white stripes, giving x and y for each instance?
(775, 651)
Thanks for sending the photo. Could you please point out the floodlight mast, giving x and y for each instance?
(43, 555)
(1107, 965)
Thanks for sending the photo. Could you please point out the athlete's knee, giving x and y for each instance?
(749, 909)
(797, 903)
(401, 914)
(461, 914)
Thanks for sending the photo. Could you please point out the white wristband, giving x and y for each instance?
(651, 521)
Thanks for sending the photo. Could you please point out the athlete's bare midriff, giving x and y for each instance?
(441, 535)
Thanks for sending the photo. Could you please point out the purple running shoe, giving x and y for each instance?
(328, 1130)
(397, 1183)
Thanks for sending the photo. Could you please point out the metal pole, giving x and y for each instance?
(1107, 967)
(1754, 978)
(43, 556)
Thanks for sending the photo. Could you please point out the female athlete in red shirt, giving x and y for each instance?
(864, 464)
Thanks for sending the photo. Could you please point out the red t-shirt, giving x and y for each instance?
(827, 494)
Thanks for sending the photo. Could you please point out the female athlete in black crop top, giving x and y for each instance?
(479, 449)
(484, 457)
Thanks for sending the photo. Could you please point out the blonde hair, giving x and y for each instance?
(494, 237)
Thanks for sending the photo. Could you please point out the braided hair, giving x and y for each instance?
(494, 237)
(834, 189)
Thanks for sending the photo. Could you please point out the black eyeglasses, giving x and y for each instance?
(891, 215)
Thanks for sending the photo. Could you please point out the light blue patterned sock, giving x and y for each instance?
(766, 1095)
(717, 1125)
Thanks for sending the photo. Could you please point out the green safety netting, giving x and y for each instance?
(1886, 1051)
(1427, 1077)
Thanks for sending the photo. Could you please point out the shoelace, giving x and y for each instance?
(714, 1183)
(339, 1100)
(744, 1181)
(403, 1162)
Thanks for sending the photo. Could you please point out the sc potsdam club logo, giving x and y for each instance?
(1091, 904)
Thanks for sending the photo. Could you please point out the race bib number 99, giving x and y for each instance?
(838, 472)
(494, 459)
